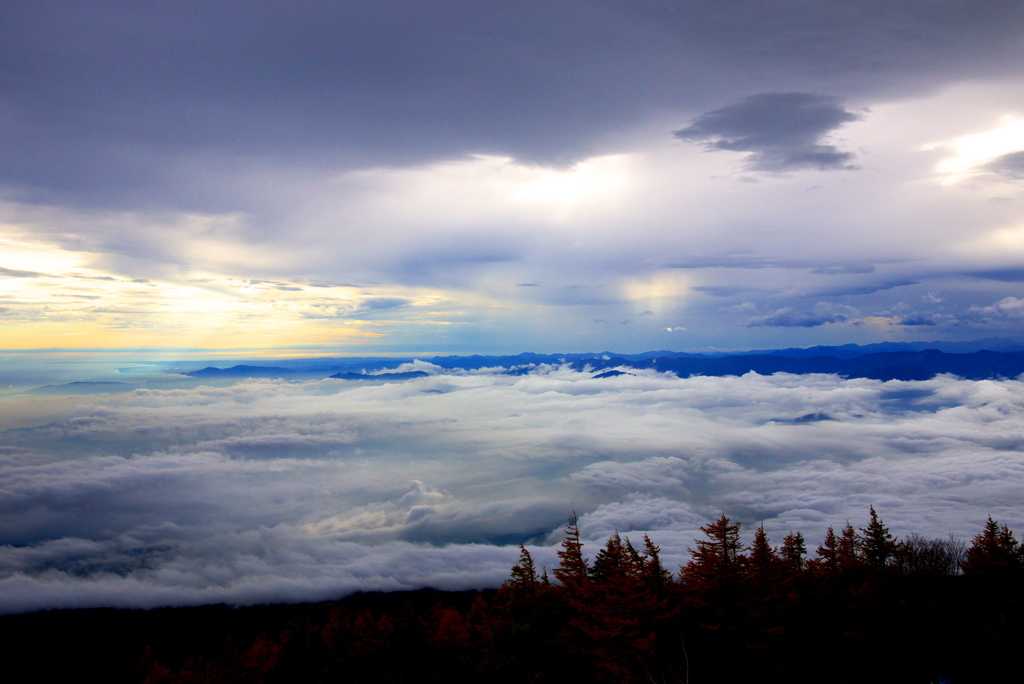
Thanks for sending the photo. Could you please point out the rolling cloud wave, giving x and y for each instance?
(274, 490)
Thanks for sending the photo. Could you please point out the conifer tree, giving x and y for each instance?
(877, 545)
(762, 560)
(993, 553)
(828, 552)
(763, 565)
(635, 558)
(618, 611)
(793, 550)
(655, 575)
(524, 573)
(572, 567)
(717, 559)
(849, 552)
(613, 562)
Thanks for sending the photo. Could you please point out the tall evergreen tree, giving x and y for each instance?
(828, 552)
(718, 558)
(613, 562)
(848, 553)
(572, 566)
(877, 545)
(617, 612)
(655, 575)
(635, 557)
(993, 553)
(793, 550)
(763, 565)
(762, 559)
(524, 573)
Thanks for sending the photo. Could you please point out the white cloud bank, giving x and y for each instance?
(273, 490)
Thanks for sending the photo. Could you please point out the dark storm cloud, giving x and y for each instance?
(920, 318)
(781, 131)
(1010, 165)
(123, 102)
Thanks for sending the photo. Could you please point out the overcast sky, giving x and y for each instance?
(406, 176)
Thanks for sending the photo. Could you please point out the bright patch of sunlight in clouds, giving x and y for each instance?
(596, 179)
(970, 153)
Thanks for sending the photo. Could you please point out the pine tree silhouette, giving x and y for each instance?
(794, 548)
(762, 562)
(994, 553)
(572, 568)
(877, 545)
(524, 573)
(717, 560)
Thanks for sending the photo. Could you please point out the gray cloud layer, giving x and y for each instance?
(781, 131)
(121, 102)
(269, 490)
(1010, 165)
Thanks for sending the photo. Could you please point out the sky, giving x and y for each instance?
(270, 180)
(302, 178)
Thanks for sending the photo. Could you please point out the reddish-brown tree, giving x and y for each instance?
(762, 562)
(849, 553)
(794, 548)
(828, 553)
(524, 573)
(994, 553)
(572, 568)
(717, 559)
(655, 575)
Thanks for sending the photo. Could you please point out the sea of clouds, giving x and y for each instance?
(270, 490)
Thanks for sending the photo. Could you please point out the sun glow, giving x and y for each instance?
(660, 286)
(970, 154)
(53, 298)
(595, 178)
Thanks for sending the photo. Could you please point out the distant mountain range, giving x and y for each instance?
(242, 372)
(902, 365)
(84, 388)
(992, 358)
(380, 376)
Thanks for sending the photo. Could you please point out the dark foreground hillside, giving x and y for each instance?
(865, 608)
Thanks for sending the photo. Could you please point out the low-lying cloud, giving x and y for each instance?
(283, 491)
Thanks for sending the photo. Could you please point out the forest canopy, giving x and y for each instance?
(901, 610)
